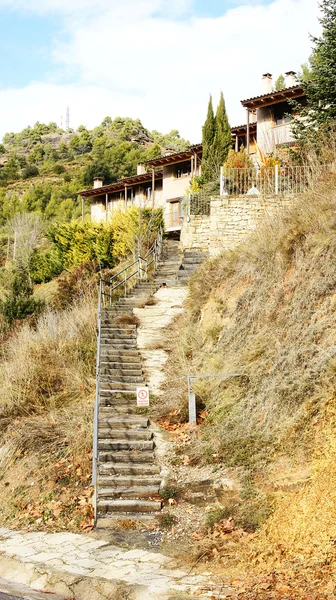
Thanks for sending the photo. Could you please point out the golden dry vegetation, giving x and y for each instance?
(267, 311)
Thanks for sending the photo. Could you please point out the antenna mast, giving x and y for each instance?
(67, 119)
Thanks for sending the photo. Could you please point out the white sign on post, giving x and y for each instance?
(142, 396)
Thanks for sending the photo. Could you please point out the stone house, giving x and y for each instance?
(164, 181)
(159, 182)
(268, 117)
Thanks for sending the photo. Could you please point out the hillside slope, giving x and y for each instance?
(267, 311)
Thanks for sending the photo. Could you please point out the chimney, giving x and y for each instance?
(97, 183)
(267, 83)
(141, 169)
(290, 79)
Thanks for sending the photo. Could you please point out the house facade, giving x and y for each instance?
(161, 182)
(164, 182)
(270, 114)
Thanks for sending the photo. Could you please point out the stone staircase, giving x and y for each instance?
(191, 260)
(128, 477)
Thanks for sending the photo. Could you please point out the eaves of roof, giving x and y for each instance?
(120, 185)
(296, 91)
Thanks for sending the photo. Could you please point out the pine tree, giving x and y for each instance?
(280, 83)
(208, 138)
(223, 138)
(321, 87)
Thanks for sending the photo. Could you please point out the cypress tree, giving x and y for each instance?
(223, 138)
(208, 137)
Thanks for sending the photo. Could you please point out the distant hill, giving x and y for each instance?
(42, 168)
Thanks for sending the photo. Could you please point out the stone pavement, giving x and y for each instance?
(84, 568)
(15, 591)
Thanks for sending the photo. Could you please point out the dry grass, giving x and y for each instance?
(267, 310)
(47, 387)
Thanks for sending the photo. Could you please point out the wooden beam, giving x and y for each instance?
(106, 207)
(125, 196)
(248, 132)
(153, 187)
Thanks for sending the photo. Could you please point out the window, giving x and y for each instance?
(183, 171)
(283, 113)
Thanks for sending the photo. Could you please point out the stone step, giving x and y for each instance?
(132, 422)
(107, 378)
(110, 521)
(138, 492)
(118, 401)
(112, 334)
(123, 353)
(122, 444)
(123, 370)
(106, 409)
(128, 506)
(114, 481)
(130, 434)
(134, 457)
(117, 385)
(108, 468)
(108, 345)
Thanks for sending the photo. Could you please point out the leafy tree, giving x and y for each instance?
(2, 149)
(223, 138)
(208, 137)
(44, 266)
(96, 169)
(280, 83)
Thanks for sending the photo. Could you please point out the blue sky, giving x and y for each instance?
(156, 60)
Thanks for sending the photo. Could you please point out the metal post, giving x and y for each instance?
(192, 403)
(125, 283)
(125, 197)
(237, 144)
(82, 209)
(248, 132)
(276, 179)
(96, 409)
(106, 207)
(221, 183)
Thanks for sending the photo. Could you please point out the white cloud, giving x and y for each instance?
(127, 61)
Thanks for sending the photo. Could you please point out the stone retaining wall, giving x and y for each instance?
(229, 222)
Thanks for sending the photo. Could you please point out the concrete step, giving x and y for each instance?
(117, 345)
(128, 469)
(138, 492)
(128, 506)
(121, 444)
(131, 434)
(132, 422)
(129, 458)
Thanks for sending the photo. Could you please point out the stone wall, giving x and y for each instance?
(229, 222)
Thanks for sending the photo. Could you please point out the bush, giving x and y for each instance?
(19, 302)
(79, 243)
(30, 171)
(58, 169)
(44, 266)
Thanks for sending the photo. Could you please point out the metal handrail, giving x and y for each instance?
(156, 250)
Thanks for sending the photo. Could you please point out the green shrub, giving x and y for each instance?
(19, 301)
(79, 243)
(44, 266)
